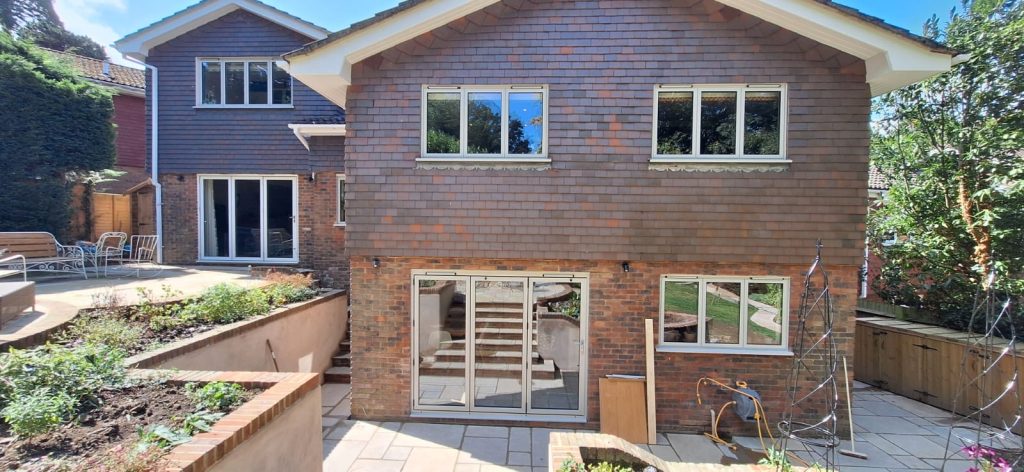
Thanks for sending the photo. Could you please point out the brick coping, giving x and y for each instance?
(154, 358)
(205, 449)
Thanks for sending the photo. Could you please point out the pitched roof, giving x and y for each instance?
(138, 44)
(104, 72)
(893, 57)
(877, 181)
(407, 4)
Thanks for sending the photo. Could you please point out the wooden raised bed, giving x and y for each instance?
(923, 362)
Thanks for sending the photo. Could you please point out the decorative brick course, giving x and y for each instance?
(205, 449)
(619, 303)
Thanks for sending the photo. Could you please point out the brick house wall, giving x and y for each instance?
(600, 203)
(244, 141)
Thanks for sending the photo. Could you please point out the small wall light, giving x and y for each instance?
(181, 178)
(376, 263)
(625, 266)
(312, 176)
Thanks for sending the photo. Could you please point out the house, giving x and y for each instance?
(878, 185)
(249, 160)
(527, 181)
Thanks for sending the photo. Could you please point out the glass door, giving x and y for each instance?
(499, 330)
(248, 218)
(558, 310)
(440, 343)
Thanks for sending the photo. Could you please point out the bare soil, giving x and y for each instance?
(116, 421)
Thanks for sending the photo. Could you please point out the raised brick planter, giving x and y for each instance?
(270, 432)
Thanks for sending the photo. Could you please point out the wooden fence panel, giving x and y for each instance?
(111, 212)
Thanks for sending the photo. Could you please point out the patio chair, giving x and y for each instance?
(109, 246)
(140, 250)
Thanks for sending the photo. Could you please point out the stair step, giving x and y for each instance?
(342, 360)
(501, 322)
(497, 305)
(338, 375)
(545, 371)
(499, 333)
(493, 357)
(345, 347)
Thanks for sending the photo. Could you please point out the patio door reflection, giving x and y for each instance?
(499, 344)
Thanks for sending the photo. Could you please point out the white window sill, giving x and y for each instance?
(242, 107)
(463, 162)
(718, 164)
(339, 225)
(746, 351)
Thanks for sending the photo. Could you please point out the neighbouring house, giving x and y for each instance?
(878, 185)
(250, 162)
(127, 204)
(527, 181)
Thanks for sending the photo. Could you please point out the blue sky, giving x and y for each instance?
(108, 20)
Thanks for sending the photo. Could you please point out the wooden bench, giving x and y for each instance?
(42, 253)
(16, 297)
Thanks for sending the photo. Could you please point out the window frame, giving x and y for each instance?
(339, 220)
(743, 347)
(463, 154)
(232, 225)
(738, 156)
(270, 61)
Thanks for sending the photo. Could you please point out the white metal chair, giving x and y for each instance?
(109, 246)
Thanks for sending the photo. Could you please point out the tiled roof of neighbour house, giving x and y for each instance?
(877, 181)
(407, 4)
(335, 119)
(104, 72)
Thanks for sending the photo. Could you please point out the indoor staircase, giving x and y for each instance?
(499, 346)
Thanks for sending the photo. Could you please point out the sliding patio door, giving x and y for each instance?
(499, 344)
(248, 218)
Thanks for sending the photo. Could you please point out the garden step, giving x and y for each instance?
(508, 305)
(493, 344)
(545, 371)
(345, 346)
(500, 322)
(499, 333)
(338, 375)
(342, 360)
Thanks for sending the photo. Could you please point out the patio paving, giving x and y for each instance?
(897, 434)
(59, 299)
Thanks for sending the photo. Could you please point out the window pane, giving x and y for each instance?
(234, 83)
(215, 218)
(211, 83)
(764, 311)
(280, 219)
(718, 122)
(441, 333)
(681, 312)
(723, 313)
(484, 123)
(247, 218)
(443, 122)
(282, 86)
(258, 83)
(341, 201)
(525, 123)
(761, 118)
(675, 123)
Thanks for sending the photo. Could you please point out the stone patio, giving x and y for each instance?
(897, 434)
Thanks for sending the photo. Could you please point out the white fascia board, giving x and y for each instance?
(138, 44)
(328, 69)
(304, 131)
(892, 61)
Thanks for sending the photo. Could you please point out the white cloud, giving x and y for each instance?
(88, 17)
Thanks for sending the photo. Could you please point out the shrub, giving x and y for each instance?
(199, 422)
(284, 289)
(106, 329)
(161, 436)
(215, 396)
(38, 412)
(43, 387)
(226, 303)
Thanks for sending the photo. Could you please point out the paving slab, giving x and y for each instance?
(483, 450)
(487, 431)
(694, 448)
(431, 459)
(519, 439)
(426, 435)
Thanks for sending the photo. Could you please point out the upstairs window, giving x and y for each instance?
(233, 83)
(484, 122)
(720, 121)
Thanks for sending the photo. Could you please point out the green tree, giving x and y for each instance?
(54, 36)
(15, 14)
(952, 148)
(55, 125)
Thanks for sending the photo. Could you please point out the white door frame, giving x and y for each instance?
(584, 325)
(262, 178)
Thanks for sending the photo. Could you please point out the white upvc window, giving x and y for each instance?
(248, 218)
(484, 123)
(723, 314)
(242, 83)
(718, 123)
(340, 218)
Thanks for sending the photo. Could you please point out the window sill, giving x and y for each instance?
(716, 164)
(746, 351)
(462, 163)
(340, 225)
(243, 107)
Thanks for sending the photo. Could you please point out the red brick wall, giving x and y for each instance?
(600, 200)
(130, 119)
(619, 303)
(321, 243)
